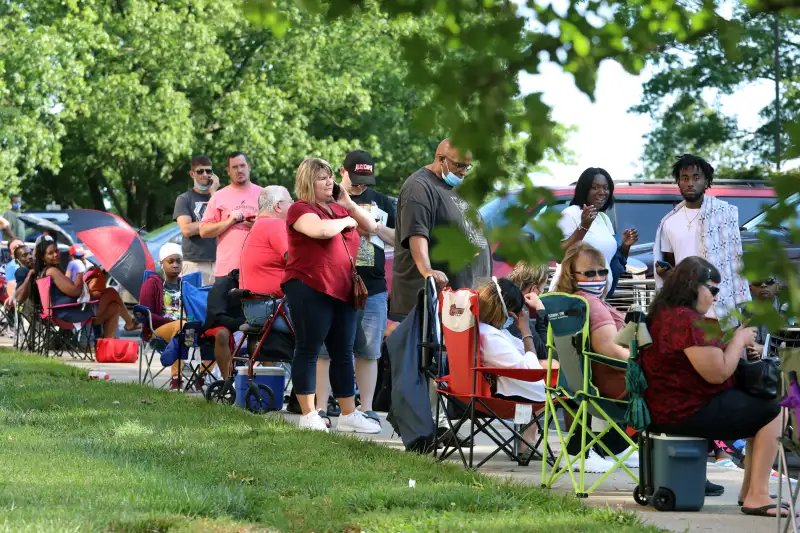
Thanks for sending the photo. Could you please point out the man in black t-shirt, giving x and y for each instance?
(199, 254)
(428, 200)
(358, 174)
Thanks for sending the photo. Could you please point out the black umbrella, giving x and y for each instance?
(42, 224)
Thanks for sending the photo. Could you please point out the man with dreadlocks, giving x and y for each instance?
(703, 226)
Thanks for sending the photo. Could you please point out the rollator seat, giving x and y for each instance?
(251, 329)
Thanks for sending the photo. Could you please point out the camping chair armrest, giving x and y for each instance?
(522, 374)
(76, 304)
(608, 361)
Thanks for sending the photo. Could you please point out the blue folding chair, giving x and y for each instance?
(194, 306)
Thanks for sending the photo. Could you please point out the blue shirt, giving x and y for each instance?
(11, 269)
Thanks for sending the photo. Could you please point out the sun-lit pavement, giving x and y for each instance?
(719, 514)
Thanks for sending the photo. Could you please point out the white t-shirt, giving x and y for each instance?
(500, 349)
(600, 235)
(682, 239)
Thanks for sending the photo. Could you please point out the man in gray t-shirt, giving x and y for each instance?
(199, 254)
(428, 200)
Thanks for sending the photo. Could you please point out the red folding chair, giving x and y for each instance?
(54, 326)
(467, 386)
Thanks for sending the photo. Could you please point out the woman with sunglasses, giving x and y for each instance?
(690, 386)
(584, 272)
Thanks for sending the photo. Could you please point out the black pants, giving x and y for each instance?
(613, 440)
(319, 318)
(730, 415)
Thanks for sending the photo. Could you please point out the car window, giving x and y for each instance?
(645, 216)
(748, 207)
(493, 211)
(755, 222)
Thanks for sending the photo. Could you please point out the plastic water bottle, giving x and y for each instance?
(99, 374)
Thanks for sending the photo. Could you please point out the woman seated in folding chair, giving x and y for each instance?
(502, 305)
(690, 385)
(583, 272)
(64, 291)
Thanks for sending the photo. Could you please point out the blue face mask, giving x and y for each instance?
(451, 179)
(596, 288)
(509, 320)
(17, 205)
(201, 187)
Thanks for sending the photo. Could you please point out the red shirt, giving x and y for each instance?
(674, 388)
(264, 256)
(322, 264)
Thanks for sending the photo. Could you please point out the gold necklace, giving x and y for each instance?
(689, 222)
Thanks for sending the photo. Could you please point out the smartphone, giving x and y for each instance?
(664, 265)
(337, 190)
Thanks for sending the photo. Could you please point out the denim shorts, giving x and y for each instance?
(371, 326)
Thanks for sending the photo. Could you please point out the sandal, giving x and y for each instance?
(764, 510)
(135, 326)
(741, 502)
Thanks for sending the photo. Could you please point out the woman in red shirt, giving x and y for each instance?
(318, 283)
(690, 386)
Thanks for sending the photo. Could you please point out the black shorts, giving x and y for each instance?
(730, 415)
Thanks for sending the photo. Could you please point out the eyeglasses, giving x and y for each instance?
(712, 289)
(603, 272)
(768, 283)
(459, 165)
(204, 171)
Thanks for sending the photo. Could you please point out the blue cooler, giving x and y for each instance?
(678, 472)
(271, 376)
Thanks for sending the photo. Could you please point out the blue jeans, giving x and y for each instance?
(318, 318)
(370, 329)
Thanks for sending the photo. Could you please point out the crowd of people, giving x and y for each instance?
(322, 248)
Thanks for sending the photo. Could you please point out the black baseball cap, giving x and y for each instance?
(360, 167)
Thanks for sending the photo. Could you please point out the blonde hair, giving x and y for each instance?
(526, 276)
(307, 176)
(489, 305)
(567, 282)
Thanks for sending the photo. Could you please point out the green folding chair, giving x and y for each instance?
(568, 342)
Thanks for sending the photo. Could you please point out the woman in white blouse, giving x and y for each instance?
(501, 304)
(585, 220)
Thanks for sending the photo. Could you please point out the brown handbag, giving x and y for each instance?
(360, 293)
(96, 281)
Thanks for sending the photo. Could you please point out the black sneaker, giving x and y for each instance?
(712, 489)
(333, 407)
(293, 406)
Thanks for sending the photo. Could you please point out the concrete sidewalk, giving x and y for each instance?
(719, 513)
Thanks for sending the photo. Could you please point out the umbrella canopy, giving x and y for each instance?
(42, 224)
(115, 245)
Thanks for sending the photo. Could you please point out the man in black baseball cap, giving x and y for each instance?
(358, 173)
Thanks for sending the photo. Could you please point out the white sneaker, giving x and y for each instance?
(594, 463)
(633, 460)
(356, 422)
(313, 422)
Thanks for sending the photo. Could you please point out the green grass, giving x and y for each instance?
(80, 455)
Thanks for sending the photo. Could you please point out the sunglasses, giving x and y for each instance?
(768, 283)
(594, 273)
(712, 289)
(204, 171)
(459, 165)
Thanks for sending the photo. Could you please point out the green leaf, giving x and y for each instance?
(452, 247)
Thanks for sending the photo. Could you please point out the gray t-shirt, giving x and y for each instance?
(195, 248)
(427, 202)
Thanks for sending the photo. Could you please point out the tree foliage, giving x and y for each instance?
(683, 96)
(107, 101)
